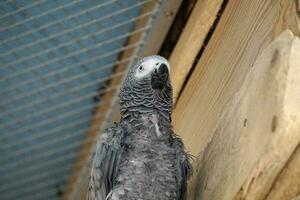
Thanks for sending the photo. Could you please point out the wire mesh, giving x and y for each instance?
(57, 58)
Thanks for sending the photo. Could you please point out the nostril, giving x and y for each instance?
(163, 68)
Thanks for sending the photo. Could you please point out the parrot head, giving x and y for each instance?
(155, 68)
(147, 87)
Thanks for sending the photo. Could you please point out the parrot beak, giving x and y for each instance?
(160, 76)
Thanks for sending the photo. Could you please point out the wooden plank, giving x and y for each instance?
(161, 26)
(287, 184)
(183, 56)
(258, 131)
(285, 130)
(296, 198)
(243, 30)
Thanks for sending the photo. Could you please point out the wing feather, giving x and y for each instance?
(105, 164)
(184, 168)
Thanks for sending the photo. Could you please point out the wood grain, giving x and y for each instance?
(296, 198)
(191, 40)
(243, 30)
(277, 97)
(258, 130)
(287, 184)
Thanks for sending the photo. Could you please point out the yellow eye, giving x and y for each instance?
(141, 68)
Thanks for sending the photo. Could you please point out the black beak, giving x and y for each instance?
(160, 76)
(163, 69)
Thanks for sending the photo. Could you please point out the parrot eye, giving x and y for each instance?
(141, 68)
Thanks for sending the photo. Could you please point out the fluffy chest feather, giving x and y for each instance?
(147, 166)
(151, 121)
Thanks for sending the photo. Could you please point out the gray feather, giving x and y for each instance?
(141, 157)
(105, 164)
(184, 168)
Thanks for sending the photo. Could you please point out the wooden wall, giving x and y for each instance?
(238, 112)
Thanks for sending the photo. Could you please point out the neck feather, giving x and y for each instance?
(143, 100)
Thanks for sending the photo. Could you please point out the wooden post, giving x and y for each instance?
(287, 184)
(245, 28)
(191, 40)
(258, 130)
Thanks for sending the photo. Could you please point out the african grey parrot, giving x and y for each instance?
(141, 158)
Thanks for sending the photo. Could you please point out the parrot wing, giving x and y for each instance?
(105, 164)
(184, 168)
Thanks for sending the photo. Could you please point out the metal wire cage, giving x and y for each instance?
(57, 59)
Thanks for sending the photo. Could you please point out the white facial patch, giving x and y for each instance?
(149, 64)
